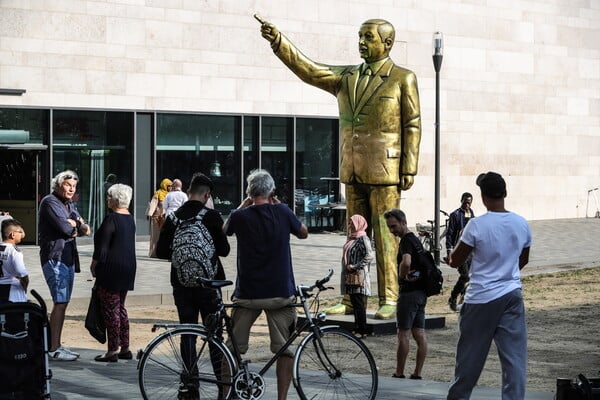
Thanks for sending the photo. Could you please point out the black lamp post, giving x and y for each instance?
(438, 51)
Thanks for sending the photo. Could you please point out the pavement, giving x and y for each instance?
(558, 245)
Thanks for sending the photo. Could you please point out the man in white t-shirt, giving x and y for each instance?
(13, 275)
(493, 309)
(175, 198)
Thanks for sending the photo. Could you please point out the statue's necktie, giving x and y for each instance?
(363, 81)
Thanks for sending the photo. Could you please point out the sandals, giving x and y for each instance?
(103, 358)
(398, 376)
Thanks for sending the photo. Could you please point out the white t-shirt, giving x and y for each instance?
(497, 239)
(12, 267)
(174, 200)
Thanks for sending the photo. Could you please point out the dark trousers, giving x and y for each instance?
(463, 279)
(359, 305)
(191, 303)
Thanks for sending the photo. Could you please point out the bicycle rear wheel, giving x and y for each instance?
(335, 365)
(184, 363)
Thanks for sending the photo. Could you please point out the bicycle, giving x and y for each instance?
(425, 232)
(329, 362)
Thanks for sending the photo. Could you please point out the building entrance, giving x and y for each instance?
(20, 180)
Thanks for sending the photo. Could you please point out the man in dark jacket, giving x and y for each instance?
(456, 223)
(59, 223)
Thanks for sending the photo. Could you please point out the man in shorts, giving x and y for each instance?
(265, 278)
(410, 310)
(59, 223)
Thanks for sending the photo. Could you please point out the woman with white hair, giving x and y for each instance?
(114, 266)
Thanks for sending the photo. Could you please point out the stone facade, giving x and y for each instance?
(520, 80)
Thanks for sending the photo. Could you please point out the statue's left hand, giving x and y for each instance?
(406, 182)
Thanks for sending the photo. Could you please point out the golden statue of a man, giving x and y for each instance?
(380, 128)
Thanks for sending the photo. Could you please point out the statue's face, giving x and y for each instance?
(370, 45)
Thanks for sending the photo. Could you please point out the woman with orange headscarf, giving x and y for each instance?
(156, 213)
(356, 263)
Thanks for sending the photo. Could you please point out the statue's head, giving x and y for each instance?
(375, 39)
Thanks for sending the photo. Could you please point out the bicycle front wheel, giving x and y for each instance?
(184, 363)
(334, 365)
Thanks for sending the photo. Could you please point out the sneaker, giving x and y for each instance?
(69, 351)
(452, 304)
(61, 355)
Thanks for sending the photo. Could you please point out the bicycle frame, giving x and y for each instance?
(308, 324)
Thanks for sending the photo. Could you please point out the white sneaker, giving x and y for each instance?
(61, 355)
(68, 351)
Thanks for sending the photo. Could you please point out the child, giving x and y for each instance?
(356, 262)
(13, 276)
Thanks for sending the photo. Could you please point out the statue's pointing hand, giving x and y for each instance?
(267, 29)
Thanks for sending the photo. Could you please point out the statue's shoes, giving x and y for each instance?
(386, 311)
(338, 309)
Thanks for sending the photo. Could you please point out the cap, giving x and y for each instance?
(203, 180)
(492, 185)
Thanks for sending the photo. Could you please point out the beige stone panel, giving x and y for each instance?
(202, 69)
(202, 36)
(589, 145)
(466, 59)
(589, 68)
(253, 89)
(163, 34)
(126, 31)
(145, 85)
(578, 106)
(106, 83)
(22, 45)
(145, 53)
(183, 16)
(12, 57)
(545, 34)
(164, 103)
(219, 88)
(85, 100)
(27, 78)
(510, 61)
(12, 22)
(42, 99)
(121, 101)
(63, 80)
(62, 26)
(186, 86)
(163, 67)
(125, 65)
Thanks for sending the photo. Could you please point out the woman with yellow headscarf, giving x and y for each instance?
(156, 213)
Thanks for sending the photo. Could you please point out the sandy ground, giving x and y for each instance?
(562, 319)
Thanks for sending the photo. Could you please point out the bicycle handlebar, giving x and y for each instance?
(320, 284)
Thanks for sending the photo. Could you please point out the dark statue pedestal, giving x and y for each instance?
(378, 326)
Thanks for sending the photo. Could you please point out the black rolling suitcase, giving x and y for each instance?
(581, 388)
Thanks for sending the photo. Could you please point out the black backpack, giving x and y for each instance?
(193, 250)
(430, 272)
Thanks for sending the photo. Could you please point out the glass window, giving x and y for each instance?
(201, 143)
(317, 166)
(98, 145)
(277, 155)
(20, 126)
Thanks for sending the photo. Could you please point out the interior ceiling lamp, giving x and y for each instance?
(215, 166)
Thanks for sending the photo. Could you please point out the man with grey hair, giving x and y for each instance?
(59, 223)
(265, 278)
(175, 198)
